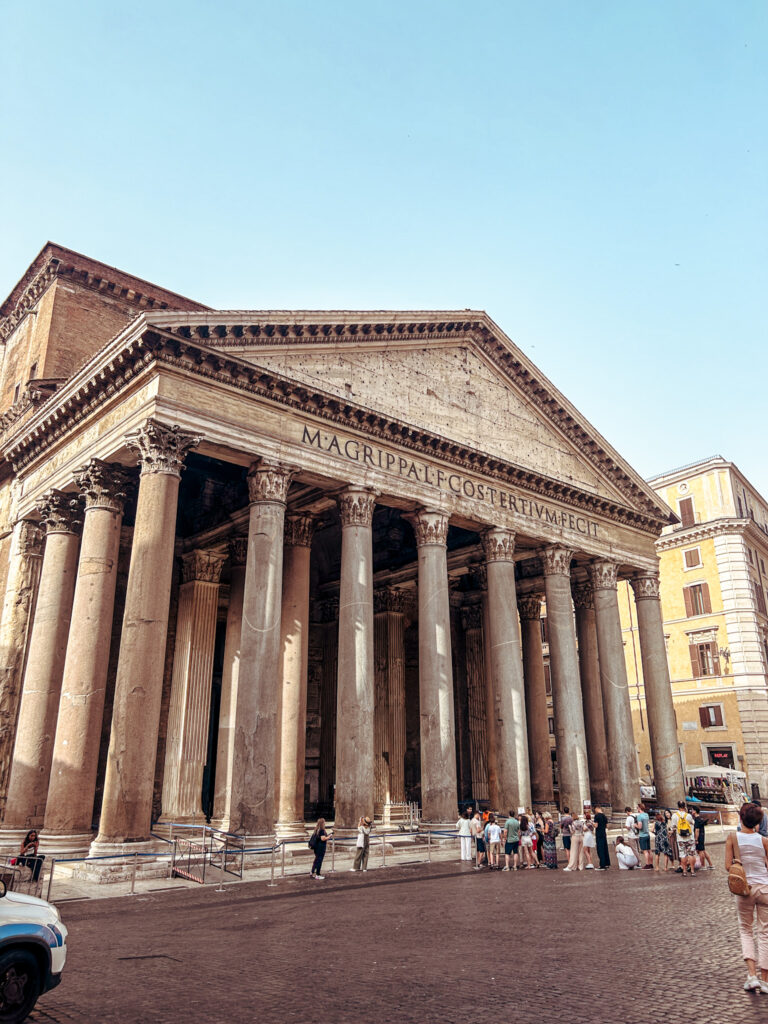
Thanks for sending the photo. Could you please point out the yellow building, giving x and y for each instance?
(713, 592)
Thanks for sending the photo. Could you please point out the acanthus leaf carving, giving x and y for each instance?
(603, 575)
(299, 530)
(269, 481)
(161, 449)
(529, 606)
(203, 565)
(646, 586)
(238, 549)
(498, 544)
(356, 505)
(60, 512)
(430, 527)
(583, 595)
(556, 560)
(472, 616)
(103, 485)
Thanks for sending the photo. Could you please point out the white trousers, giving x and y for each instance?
(466, 847)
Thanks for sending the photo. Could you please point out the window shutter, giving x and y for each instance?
(704, 716)
(692, 558)
(695, 663)
(715, 660)
(688, 602)
(705, 602)
(685, 507)
(718, 714)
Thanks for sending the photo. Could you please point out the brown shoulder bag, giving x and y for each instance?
(737, 879)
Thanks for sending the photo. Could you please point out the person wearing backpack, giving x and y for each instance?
(749, 849)
(682, 825)
(318, 844)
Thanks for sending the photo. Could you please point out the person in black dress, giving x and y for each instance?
(601, 839)
(319, 843)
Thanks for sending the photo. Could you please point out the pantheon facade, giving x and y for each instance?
(265, 565)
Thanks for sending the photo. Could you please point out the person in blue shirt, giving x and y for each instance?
(644, 835)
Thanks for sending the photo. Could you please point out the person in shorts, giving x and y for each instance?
(476, 826)
(642, 821)
(699, 825)
(511, 841)
(566, 829)
(682, 825)
(526, 842)
(493, 842)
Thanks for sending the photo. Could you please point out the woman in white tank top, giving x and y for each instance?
(750, 849)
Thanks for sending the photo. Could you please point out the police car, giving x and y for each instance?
(33, 948)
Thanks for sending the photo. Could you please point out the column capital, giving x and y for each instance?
(603, 575)
(103, 485)
(583, 595)
(529, 606)
(498, 544)
(299, 530)
(60, 512)
(328, 609)
(478, 577)
(430, 527)
(238, 549)
(472, 616)
(389, 599)
(268, 481)
(161, 449)
(646, 586)
(30, 537)
(203, 566)
(556, 560)
(356, 505)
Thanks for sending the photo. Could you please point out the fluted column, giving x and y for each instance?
(126, 814)
(389, 708)
(438, 754)
(472, 621)
(186, 746)
(225, 749)
(513, 771)
(72, 787)
(662, 724)
(18, 614)
(622, 756)
(542, 791)
(570, 737)
(355, 688)
(293, 676)
(255, 764)
(592, 695)
(61, 515)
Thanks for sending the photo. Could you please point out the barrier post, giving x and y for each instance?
(50, 878)
(221, 876)
(429, 846)
(282, 859)
(384, 850)
(133, 873)
(333, 854)
(272, 868)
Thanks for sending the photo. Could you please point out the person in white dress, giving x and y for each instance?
(465, 836)
(750, 849)
(625, 855)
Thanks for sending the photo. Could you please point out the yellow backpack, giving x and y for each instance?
(683, 825)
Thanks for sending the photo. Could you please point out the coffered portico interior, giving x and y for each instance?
(292, 564)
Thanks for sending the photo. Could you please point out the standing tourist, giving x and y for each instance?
(589, 842)
(465, 836)
(672, 835)
(630, 831)
(549, 842)
(318, 843)
(511, 841)
(699, 825)
(644, 834)
(661, 847)
(539, 829)
(493, 842)
(575, 861)
(566, 827)
(682, 825)
(526, 841)
(625, 855)
(601, 839)
(363, 843)
(750, 849)
(476, 826)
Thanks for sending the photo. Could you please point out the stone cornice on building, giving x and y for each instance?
(55, 261)
(140, 346)
(704, 531)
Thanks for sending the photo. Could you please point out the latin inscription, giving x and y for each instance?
(455, 483)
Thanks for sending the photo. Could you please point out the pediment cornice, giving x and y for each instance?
(142, 346)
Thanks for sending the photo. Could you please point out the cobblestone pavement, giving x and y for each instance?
(433, 944)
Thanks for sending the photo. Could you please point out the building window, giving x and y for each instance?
(16, 391)
(705, 660)
(696, 599)
(551, 724)
(548, 680)
(738, 503)
(721, 756)
(759, 597)
(33, 371)
(711, 715)
(685, 509)
(544, 630)
(692, 558)
(749, 556)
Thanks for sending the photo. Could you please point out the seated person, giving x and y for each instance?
(625, 855)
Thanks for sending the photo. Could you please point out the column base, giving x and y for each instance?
(115, 862)
(291, 830)
(65, 844)
(10, 841)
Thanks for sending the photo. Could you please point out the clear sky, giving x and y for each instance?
(593, 174)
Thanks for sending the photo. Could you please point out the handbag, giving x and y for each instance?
(737, 879)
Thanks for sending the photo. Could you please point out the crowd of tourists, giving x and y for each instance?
(529, 840)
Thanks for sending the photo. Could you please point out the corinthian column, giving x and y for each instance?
(513, 772)
(479, 741)
(18, 612)
(355, 687)
(254, 794)
(662, 725)
(389, 711)
(542, 791)
(293, 676)
(225, 751)
(594, 720)
(126, 814)
(573, 771)
(72, 788)
(186, 745)
(622, 757)
(31, 769)
(438, 754)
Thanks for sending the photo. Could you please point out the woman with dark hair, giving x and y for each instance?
(750, 849)
(526, 841)
(549, 844)
(601, 839)
(318, 844)
(28, 856)
(661, 847)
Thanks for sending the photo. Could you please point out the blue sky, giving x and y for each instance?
(593, 174)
